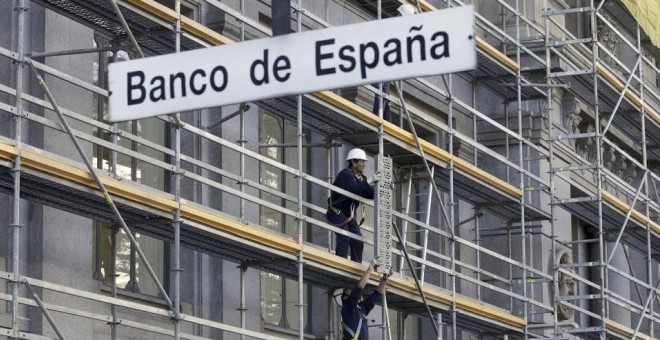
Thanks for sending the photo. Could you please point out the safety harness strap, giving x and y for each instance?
(355, 335)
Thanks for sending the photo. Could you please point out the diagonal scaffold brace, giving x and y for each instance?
(417, 283)
(104, 191)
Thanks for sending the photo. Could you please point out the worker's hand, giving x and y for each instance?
(386, 275)
(374, 263)
(377, 176)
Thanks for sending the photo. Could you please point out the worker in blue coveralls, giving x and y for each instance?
(351, 179)
(354, 312)
(387, 113)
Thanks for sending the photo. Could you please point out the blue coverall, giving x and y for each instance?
(352, 310)
(387, 113)
(346, 180)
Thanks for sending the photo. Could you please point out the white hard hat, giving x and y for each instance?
(406, 9)
(356, 154)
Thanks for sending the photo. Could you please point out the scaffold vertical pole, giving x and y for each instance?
(386, 321)
(242, 140)
(114, 229)
(113, 283)
(477, 237)
(425, 232)
(509, 247)
(404, 223)
(521, 164)
(328, 176)
(299, 201)
(448, 81)
(330, 328)
(243, 308)
(647, 211)
(599, 174)
(554, 292)
(177, 188)
(18, 37)
(377, 203)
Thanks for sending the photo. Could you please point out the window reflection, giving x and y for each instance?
(131, 274)
(279, 295)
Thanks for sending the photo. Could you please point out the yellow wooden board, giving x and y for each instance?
(47, 163)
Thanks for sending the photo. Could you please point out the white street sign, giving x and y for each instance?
(366, 53)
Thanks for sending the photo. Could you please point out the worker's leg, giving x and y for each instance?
(341, 247)
(356, 245)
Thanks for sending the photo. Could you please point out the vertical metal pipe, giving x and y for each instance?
(553, 246)
(452, 203)
(299, 180)
(377, 165)
(177, 187)
(477, 236)
(242, 140)
(507, 149)
(20, 10)
(649, 252)
(601, 234)
(404, 223)
(100, 105)
(328, 176)
(509, 244)
(380, 108)
(377, 222)
(243, 309)
(330, 333)
(521, 164)
(474, 120)
(386, 320)
(113, 283)
(132, 284)
(425, 232)
(114, 230)
(452, 208)
(401, 325)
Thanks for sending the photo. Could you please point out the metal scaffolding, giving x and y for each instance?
(534, 223)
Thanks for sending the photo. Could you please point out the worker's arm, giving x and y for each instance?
(376, 297)
(365, 277)
(347, 181)
(382, 285)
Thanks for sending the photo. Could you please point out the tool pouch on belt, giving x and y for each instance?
(335, 217)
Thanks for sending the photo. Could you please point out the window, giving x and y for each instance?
(151, 129)
(403, 325)
(278, 132)
(132, 274)
(279, 295)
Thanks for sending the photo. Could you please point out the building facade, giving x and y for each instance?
(525, 191)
